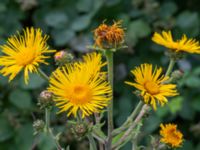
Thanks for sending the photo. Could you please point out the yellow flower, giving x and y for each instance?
(109, 36)
(183, 45)
(170, 135)
(151, 84)
(24, 52)
(79, 86)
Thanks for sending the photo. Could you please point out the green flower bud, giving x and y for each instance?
(177, 74)
(80, 130)
(38, 126)
(62, 57)
(45, 99)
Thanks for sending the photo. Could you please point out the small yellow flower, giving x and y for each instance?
(109, 36)
(170, 135)
(79, 86)
(24, 52)
(183, 45)
(151, 84)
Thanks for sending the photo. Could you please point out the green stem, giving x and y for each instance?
(55, 140)
(109, 57)
(48, 129)
(129, 120)
(47, 115)
(170, 67)
(92, 142)
(47, 119)
(43, 75)
(143, 111)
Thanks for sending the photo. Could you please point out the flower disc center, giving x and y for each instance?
(152, 87)
(81, 94)
(25, 58)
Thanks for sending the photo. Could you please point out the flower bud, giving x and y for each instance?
(109, 36)
(80, 130)
(38, 126)
(62, 57)
(177, 74)
(174, 55)
(45, 99)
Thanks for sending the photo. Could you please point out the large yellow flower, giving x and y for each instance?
(152, 86)
(79, 86)
(24, 52)
(170, 135)
(185, 44)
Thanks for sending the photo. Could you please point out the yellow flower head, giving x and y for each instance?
(79, 86)
(170, 135)
(183, 45)
(109, 36)
(151, 84)
(24, 52)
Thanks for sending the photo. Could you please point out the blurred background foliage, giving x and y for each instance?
(70, 24)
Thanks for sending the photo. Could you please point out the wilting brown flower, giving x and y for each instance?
(109, 36)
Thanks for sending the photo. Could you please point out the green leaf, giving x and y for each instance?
(162, 111)
(193, 81)
(6, 130)
(175, 104)
(196, 104)
(187, 112)
(117, 137)
(187, 145)
(189, 23)
(20, 99)
(46, 142)
(84, 5)
(3, 80)
(62, 37)
(81, 23)
(137, 29)
(35, 82)
(56, 19)
(168, 9)
(24, 138)
(151, 123)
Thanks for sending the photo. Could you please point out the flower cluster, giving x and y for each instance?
(82, 88)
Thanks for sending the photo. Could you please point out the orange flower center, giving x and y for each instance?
(151, 87)
(81, 94)
(25, 58)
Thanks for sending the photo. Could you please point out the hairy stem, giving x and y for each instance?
(133, 125)
(109, 57)
(43, 75)
(47, 128)
(129, 119)
(170, 67)
(92, 142)
(47, 119)
(58, 146)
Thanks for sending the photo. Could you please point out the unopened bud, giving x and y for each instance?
(38, 126)
(177, 74)
(80, 130)
(138, 94)
(63, 57)
(45, 99)
(175, 55)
